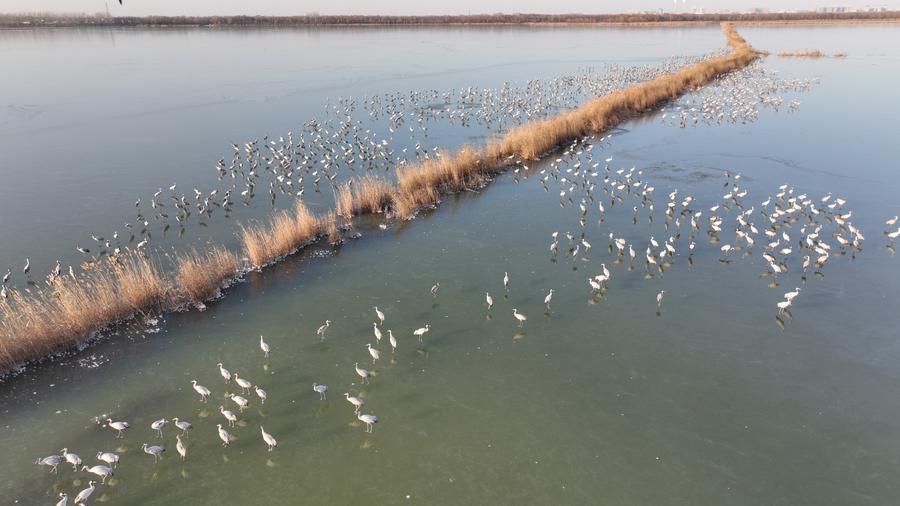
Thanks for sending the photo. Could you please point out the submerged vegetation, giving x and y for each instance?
(36, 323)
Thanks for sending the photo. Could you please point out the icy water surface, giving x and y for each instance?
(708, 399)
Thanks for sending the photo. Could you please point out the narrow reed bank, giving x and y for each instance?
(36, 323)
(421, 186)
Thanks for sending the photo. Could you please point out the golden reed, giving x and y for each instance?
(37, 323)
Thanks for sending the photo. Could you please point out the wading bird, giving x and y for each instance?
(200, 389)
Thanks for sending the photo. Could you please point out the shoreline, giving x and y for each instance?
(70, 313)
(28, 21)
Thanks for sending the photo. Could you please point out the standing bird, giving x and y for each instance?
(379, 314)
(100, 470)
(659, 298)
(27, 266)
(240, 401)
(244, 384)
(519, 316)
(224, 372)
(108, 457)
(356, 401)
(63, 499)
(364, 374)
(71, 458)
(158, 426)
(200, 389)
(421, 331)
(261, 394)
(323, 329)
(321, 389)
(268, 439)
(434, 289)
(52, 461)
(155, 450)
(393, 341)
(229, 415)
(184, 425)
(264, 346)
(489, 300)
(375, 353)
(376, 331)
(506, 281)
(223, 435)
(548, 298)
(179, 446)
(85, 494)
(369, 419)
(118, 427)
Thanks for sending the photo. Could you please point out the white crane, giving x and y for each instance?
(224, 372)
(223, 435)
(356, 401)
(264, 346)
(261, 394)
(108, 457)
(434, 289)
(158, 426)
(506, 281)
(519, 316)
(659, 298)
(321, 389)
(179, 446)
(393, 341)
(84, 494)
(240, 401)
(229, 415)
(100, 470)
(375, 353)
(322, 329)
(200, 389)
(155, 450)
(63, 499)
(71, 458)
(376, 331)
(379, 314)
(548, 298)
(421, 331)
(269, 440)
(369, 419)
(244, 384)
(489, 300)
(119, 427)
(364, 374)
(184, 425)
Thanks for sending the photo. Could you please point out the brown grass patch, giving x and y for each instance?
(287, 231)
(35, 324)
(199, 275)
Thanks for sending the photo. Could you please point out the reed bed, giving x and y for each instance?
(286, 232)
(200, 274)
(37, 323)
(34, 324)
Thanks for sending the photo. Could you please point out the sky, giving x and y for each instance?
(410, 7)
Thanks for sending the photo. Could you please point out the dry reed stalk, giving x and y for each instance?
(36, 324)
(287, 231)
(199, 275)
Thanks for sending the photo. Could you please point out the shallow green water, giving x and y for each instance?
(596, 401)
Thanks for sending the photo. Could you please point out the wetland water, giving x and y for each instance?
(597, 401)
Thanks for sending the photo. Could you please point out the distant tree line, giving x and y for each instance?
(40, 19)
